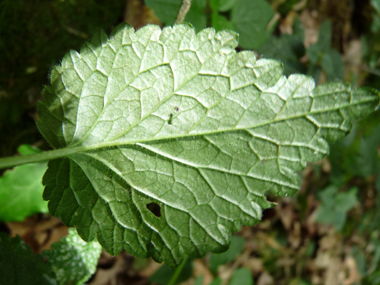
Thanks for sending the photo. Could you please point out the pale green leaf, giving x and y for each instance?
(73, 260)
(172, 138)
(21, 192)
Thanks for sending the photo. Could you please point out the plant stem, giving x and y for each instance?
(37, 157)
(185, 7)
(178, 271)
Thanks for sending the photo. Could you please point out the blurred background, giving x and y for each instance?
(329, 233)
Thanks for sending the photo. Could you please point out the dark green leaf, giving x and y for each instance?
(226, 5)
(219, 22)
(288, 49)
(332, 65)
(250, 19)
(235, 249)
(324, 37)
(167, 11)
(334, 206)
(19, 265)
(163, 275)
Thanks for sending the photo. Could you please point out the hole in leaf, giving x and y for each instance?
(154, 208)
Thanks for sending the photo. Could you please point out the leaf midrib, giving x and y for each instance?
(154, 139)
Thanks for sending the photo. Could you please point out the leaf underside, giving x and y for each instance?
(182, 137)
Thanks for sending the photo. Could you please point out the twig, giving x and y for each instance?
(185, 7)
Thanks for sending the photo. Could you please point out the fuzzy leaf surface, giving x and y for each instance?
(174, 138)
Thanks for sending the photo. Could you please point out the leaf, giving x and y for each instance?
(21, 192)
(26, 149)
(377, 183)
(324, 36)
(250, 19)
(73, 260)
(167, 11)
(288, 49)
(219, 22)
(172, 138)
(216, 281)
(226, 5)
(335, 206)
(242, 276)
(332, 65)
(234, 250)
(164, 274)
(19, 265)
(376, 5)
(195, 16)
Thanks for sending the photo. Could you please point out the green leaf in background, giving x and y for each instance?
(250, 20)
(330, 60)
(73, 260)
(172, 138)
(241, 276)
(216, 281)
(376, 5)
(334, 207)
(220, 22)
(199, 281)
(288, 49)
(196, 15)
(226, 5)
(332, 65)
(367, 158)
(21, 190)
(324, 36)
(167, 11)
(234, 250)
(164, 274)
(377, 185)
(19, 265)
(286, 7)
(26, 149)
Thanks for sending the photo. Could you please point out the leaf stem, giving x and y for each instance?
(185, 7)
(178, 271)
(12, 161)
